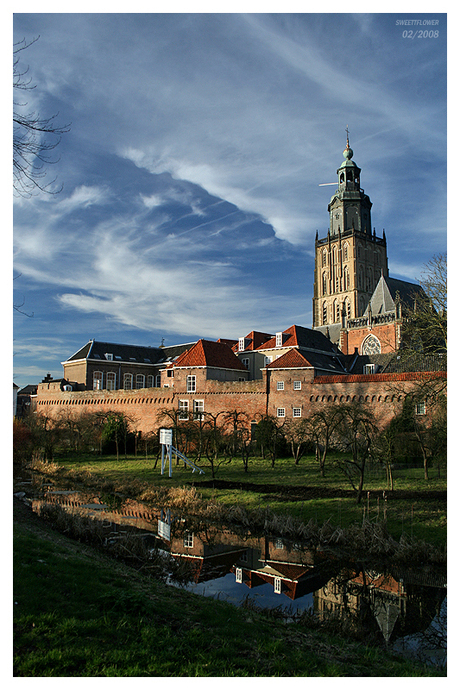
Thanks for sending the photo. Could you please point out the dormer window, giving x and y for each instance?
(279, 339)
(109, 356)
(241, 344)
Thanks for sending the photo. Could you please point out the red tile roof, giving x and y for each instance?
(207, 353)
(291, 359)
(255, 339)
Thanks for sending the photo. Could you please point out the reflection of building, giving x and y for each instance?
(394, 606)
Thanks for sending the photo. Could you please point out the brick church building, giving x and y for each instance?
(350, 353)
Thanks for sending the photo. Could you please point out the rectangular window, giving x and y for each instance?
(140, 381)
(280, 412)
(127, 381)
(188, 540)
(369, 369)
(158, 380)
(170, 373)
(280, 385)
(279, 339)
(245, 362)
(268, 360)
(297, 412)
(183, 410)
(420, 408)
(111, 381)
(277, 585)
(238, 575)
(297, 385)
(191, 384)
(198, 409)
(241, 344)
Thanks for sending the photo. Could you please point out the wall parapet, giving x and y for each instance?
(380, 378)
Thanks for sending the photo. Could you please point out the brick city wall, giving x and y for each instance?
(384, 391)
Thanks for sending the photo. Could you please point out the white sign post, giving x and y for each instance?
(166, 442)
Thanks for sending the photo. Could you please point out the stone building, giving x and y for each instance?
(350, 353)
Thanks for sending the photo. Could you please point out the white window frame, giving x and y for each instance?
(98, 380)
(297, 385)
(279, 339)
(241, 344)
(183, 410)
(111, 381)
(277, 585)
(280, 385)
(420, 408)
(198, 409)
(369, 369)
(140, 379)
(150, 381)
(191, 383)
(281, 412)
(157, 381)
(268, 360)
(188, 540)
(296, 412)
(127, 382)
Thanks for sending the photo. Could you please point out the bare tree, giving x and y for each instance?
(34, 137)
(355, 436)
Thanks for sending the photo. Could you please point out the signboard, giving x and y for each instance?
(166, 436)
(164, 530)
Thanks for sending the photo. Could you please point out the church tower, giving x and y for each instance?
(351, 258)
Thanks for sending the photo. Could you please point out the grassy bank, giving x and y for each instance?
(78, 613)
(416, 507)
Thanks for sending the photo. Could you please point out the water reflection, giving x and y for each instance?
(407, 606)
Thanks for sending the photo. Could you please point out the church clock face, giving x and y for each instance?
(371, 346)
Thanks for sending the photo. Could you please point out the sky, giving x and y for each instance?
(191, 175)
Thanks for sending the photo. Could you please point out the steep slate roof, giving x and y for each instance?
(255, 340)
(301, 337)
(384, 295)
(208, 353)
(140, 354)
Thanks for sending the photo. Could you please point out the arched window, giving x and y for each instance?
(345, 251)
(140, 381)
(360, 278)
(111, 381)
(97, 380)
(127, 381)
(346, 279)
(324, 281)
(371, 346)
(324, 313)
(324, 258)
(348, 308)
(336, 310)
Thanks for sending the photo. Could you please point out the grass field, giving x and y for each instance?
(416, 507)
(78, 613)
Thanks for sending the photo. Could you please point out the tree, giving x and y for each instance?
(321, 428)
(34, 137)
(298, 434)
(425, 329)
(269, 431)
(355, 434)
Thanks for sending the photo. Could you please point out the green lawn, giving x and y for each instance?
(416, 514)
(77, 613)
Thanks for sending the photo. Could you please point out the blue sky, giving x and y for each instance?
(191, 172)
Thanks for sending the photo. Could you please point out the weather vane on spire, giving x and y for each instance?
(348, 143)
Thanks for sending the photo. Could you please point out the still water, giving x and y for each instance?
(406, 609)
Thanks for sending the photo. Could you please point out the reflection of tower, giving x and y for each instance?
(351, 258)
